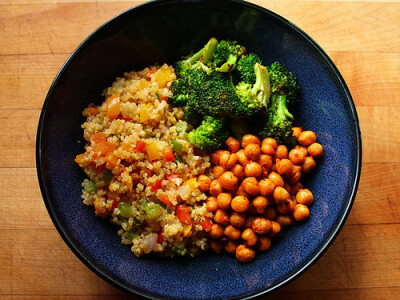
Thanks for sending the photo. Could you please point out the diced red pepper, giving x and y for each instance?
(140, 145)
(156, 186)
(160, 238)
(164, 198)
(172, 176)
(126, 119)
(207, 224)
(114, 204)
(98, 168)
(168, 154)
(183, 214)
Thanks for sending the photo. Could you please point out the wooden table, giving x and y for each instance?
(362, 38)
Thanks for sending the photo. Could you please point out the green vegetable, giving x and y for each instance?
(181, 126)
(177, 146)
(178, 158)
(125, 209)
(152, 210)
(131, 235)
(180, 250)
(89, 186)
(107, 176)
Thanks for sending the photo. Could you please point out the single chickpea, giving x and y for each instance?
(249, 237)
(265, 161)
(250, 185)
(260, 202)
(221, 217)
(261, 225)
(252, 151)
(301, 212)
(232, 144)
(270, 141)
(204, 183)
(307, 137)
(316, 150)
(275, 228)
(232, 233)
(296, 156)
(250, 139)
(228, 180)
(270, 213)
(215, 157)
(287, 187)
(276, 179)
(240, 204)
(285, 220)
(230, 246)
(295, 175)
(216, 246)
(228, 160)
(237, 219)
(241, 192)
(264, 243)
(267, 187)
(296, 187)
(224, 200)
(218, 171)
(238, 171)
(284, 166)
(212, 204)
(305, 197)
(280, 194)
(252, 169)
(296, 132)
(242, 158)
(281, 152)
(308, 165)
(215, 187)
(216, 232)
(267, 148)
(248, 221)
(245, 254)
(285, 207)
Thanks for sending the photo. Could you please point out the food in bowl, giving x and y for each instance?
(150, 158)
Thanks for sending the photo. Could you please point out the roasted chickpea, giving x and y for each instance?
(250, 185)
(241, 192)
(221, 217)
(305, 197)
(281, 152)
(212, 204)
(250, 139)
(267, 187)
(270, 141)
(215, 187)
(228, 181)
(248, 221)
(261, 225)
(270, 213)
(287, 186)
(230, 246)
(252, 169)
(267, 149)
(284, 166)
(307, 137)
(240, 204)
(285, 220)
(204, 183)
(280, 194)
(228, 159)
(216, 232)
(249, 237)
(218, 171)
(242, 158)
(232, 233)
(276, 179)
(296, 156)
(238, 171)
(237, 219)
(224, 200)
(215, 157)
(252, 151)
(264, 243)
(245, 254)
(285, 207)
(295, 175)
(301, 212)
(308, 165)
(260, 202)
(265, 161)
(296, 187)
(316, 150)
(232, 144)
(216, 246)
(275, 228)
(296, 132)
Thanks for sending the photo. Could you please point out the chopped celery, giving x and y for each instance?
(177, 146)
(89, 186)
(125, 209)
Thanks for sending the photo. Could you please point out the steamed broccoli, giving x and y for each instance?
(210, 135)
(226, 55)
(245, 68)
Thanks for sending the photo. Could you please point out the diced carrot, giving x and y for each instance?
(164, 198)
(100, 210)
(162, 76)
(79, 159)
(112, 160)
(168, 154)
(140, 145)
(93, 110)
(104, 147)
(113, 107)
(98, 137)
(183, 214)
(207, 224)
(153, 151)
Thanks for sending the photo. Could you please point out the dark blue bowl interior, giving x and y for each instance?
(163, 31)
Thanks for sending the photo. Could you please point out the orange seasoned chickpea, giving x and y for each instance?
(250, 185)
(252, 151)
(204, 183)
(232, 144)
(287, 187)
(248, 221)
(296, 156)
(305, 197)
(228, 180)
(230, 246)
(308, 165)
(224, 200)
(281, 152)
(215, 157)
(265, 161)
(307, 137)
(250, 139)
(285, 207)
(237, 219)
(261, 225)
(296, 132)
(218, 171)
(270, 213)
(221, 217)
(284, 166)
(267, 187)
(260, 202)
(240, 204)
(316, 150)
(216, 232)
(249, 237)
(228, 159)
(296, 187)
(242, 158)
(238, 171)
(267, 148)
(275, 228)
(245, 254)
(295, 175)
(216, 246)
(285, 220)
(270, 141)
(241, 192)
(264, 243)
(215, 187)
(301, 212)
(280, 194)
(232, 233)
(276, 179)
(252, 169)
(212, 204)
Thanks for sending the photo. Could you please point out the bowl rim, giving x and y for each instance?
(335, 231)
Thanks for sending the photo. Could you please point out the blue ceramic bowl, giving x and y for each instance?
(163, 31)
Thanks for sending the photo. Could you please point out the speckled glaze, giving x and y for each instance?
(163, 31)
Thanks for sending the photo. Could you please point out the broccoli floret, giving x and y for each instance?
(210, 135)
(245, 68)
(180, 92)
(226, 55)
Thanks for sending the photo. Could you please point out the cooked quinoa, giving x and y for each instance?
(142, 170)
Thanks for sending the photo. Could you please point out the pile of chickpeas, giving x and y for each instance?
(255, 191)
